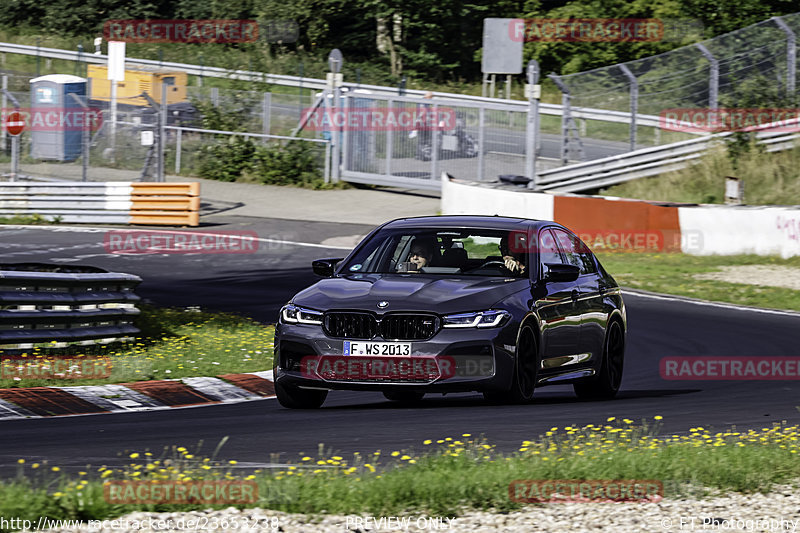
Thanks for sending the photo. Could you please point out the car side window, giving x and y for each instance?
(548, 250)
(575, 252)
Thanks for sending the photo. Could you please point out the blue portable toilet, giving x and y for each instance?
(56, 124)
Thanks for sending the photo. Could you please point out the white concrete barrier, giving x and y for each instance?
(702, 230)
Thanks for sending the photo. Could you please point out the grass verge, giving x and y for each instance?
(769, 178)
(673, 274)
(450, 476)
(29, 220)
(174, 343)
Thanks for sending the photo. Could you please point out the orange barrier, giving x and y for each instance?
(173, 204)
(621, 225)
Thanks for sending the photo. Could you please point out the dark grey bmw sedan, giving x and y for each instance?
(454, 304)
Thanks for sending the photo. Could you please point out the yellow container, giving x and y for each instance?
(138, 80)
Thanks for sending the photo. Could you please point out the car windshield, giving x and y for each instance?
(445, 251)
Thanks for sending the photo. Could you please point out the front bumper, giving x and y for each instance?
(468, 360)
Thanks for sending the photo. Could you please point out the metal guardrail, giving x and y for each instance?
(41, 303)
(318, 84)
(104, 202)
(646, 162)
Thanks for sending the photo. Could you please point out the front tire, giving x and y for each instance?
(293, 397)
(607, 382)
(526, 372)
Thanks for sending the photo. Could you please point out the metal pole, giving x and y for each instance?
(634, 102)
(266, 107)
(178, 139)
(565, 103)
(327, 171)
(389, 143)
(345, 137)
(215, 96)
(162, 134)
(435, 144)
(3, 104)
(713, 81)
(335, 150)
(481, 140)
(14, 157)
(156, 134)
(300, 72)
(791, 55)
(113, 120)
(531, 134)
(14, 140)
(84, 137)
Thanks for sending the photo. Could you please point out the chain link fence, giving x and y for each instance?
(750, 67)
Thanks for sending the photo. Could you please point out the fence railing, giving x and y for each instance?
(59, 305)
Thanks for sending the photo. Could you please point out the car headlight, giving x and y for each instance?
(291, 314)
(479, 319)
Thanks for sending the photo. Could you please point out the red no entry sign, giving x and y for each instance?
(14, 123)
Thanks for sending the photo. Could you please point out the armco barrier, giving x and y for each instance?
(692, 229)
(174, 204)
(42, 303)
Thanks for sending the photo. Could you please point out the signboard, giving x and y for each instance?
(14, 123)
(116, 61)
(501, 54)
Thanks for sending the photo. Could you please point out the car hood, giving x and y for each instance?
(408, 292)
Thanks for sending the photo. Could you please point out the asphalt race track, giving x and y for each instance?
(258, 284)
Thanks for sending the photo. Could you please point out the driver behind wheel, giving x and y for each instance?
(513, 261)
(420, 256)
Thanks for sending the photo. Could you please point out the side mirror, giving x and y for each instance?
(561, 272)
(325, 267)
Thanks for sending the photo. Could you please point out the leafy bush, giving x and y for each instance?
(292, 164)
(226, 161)
(273, 164)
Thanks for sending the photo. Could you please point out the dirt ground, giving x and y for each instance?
(765, 275)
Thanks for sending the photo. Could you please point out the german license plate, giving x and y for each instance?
(377, 348)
